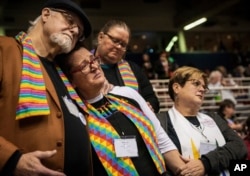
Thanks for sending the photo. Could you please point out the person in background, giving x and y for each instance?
(247, 136)
(147, 66)
(239, 71)
(41, 132)
(162, 66)
(124, 132)
(215, 83)
(204, 138)
(227, 111)
(247, 70)
(112, 42)
(227, 77)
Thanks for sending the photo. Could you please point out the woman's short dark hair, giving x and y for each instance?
(226, 103)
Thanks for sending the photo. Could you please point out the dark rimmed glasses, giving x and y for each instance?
(71, 22)
(86, 65)
(198, 84)
(117, 42)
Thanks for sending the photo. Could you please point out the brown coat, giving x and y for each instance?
(33, 133)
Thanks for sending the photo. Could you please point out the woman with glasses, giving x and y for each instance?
(112, 42)
(204, 140)
(126, 136)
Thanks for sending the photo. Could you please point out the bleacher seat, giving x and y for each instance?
(212, 99)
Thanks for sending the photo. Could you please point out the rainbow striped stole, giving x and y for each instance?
(32, 97)
(69, 87)
(145, 127)
(99, 129)
(102, 134)
(127, 75)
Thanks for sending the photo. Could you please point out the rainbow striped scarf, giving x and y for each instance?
(102, 135)
(127, 75)
(32, 97)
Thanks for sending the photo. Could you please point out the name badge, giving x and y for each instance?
(73, 109)
(71, 106)
(206, 147)
(126, 147)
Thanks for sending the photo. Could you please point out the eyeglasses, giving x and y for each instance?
(117, 42)
(86, 65)
(198, 84)
(71, 22)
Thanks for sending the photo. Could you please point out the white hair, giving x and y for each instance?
(63, 41)
(33, 23)
(216, 74)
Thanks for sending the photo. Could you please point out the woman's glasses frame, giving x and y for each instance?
(196, 83)
(86, 65)
(117, 42)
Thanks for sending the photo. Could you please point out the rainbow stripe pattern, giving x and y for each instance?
(127, 75)
(69, 87)
(102, 135)
(32, 97)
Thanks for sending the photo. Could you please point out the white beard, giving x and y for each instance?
(63, 41)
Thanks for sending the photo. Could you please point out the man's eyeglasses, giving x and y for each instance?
(71, 22)
(198, 84)
(117, 42)
(86, 65)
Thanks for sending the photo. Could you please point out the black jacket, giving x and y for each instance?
(216, 160)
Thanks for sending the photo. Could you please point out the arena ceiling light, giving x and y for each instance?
(171, 43)
(195, 23)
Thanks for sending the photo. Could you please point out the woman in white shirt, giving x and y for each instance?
(206, 139)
